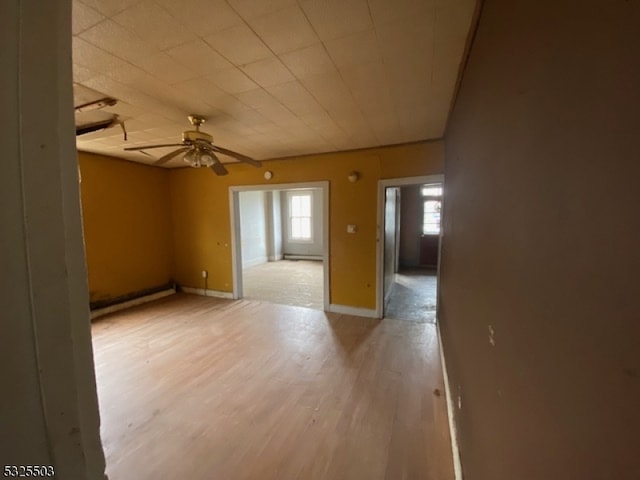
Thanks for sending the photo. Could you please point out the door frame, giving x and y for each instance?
(382, 186)
(236, 241)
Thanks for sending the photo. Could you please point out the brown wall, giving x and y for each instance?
(541, 242)
(410, 225)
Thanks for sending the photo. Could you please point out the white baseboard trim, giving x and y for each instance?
(303, 257)
(457, 464)
(356, 311)
(255, 261)
(207, 293)
(132, 303)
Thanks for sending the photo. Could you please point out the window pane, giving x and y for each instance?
(305, 228)
(431, 191)
(300, 216)
(431, 218)
(305, 205)
(295, 205)
(295, 227)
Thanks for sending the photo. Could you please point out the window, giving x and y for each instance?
(300, 216)
(432, 198)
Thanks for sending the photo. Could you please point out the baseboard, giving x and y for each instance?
(255, 262)
(207, 293)
(356, 311)
(275, 258)
(132, 303)
(317, 258)
(457, 464)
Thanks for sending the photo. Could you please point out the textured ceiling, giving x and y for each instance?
(274, 78)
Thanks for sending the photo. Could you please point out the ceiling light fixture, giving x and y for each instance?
(197, 157)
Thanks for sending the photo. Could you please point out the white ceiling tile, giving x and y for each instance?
(200, 57)
(251, 118)
(329, 90)
(408, 37)
(80, 73)
(296, 98)
(356, 49)
(83, 17)
(385, 11)
(257, 98)
(280, 115)
(97, 60)
(109, 8)
(256, 8)
(206, 91)
(148, 20)
(233, 80)
(90, 56)
(202, 17)
(361, 87)
(337, 18)
(368, 77)
(268, 72)
(239, 45)
(166, 68)
(117, 40)
(308, 61)
(285, 30)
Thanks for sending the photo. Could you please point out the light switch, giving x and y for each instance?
(352, 229)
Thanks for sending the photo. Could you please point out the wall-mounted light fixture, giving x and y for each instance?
(268, 175)
(353, 177)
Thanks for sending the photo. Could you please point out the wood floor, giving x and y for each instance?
(202, 388)
(287, 282)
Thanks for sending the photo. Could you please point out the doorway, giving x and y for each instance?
(408, 247)
(280, 243)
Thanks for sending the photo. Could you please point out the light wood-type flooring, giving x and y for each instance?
(202, 388)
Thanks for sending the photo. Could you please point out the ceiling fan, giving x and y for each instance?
(199, 150)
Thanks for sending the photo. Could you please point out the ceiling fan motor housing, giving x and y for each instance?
(193, 136)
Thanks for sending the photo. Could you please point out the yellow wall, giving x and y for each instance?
(127, 226)
(201, 218)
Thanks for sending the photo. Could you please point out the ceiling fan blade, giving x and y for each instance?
(147, 147)
(237, 156)
(169, 156)
(219, 169)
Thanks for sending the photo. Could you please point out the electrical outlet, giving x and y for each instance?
(205, 274)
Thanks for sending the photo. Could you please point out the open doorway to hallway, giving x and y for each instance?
(280, 244)
(409, 251)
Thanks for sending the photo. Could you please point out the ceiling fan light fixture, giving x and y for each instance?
(207, 159)
(197, 157)
(197, 150)
(190, 157)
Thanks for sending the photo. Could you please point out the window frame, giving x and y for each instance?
(301, 193)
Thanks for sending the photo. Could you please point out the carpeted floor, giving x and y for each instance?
(287, 282)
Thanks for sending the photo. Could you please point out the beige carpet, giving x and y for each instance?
(287, 282)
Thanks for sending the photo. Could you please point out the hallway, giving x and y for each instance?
(413, 296)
